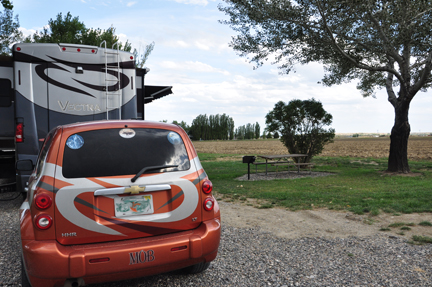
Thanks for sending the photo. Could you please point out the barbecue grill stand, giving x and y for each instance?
(249, 159)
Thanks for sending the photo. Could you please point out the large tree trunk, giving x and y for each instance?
(398, 157)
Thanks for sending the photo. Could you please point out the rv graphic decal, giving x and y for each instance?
(99, 68)
(69, 107)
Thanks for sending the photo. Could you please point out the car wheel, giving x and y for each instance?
(197, 268)
(24, 280)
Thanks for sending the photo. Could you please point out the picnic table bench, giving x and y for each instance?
(284, 159)
(277, 160)
(298, 165)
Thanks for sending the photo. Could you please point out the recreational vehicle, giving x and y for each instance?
(46, 85)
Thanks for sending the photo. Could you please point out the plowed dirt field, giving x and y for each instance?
(419, 148)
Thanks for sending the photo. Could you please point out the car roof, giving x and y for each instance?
(107, 124)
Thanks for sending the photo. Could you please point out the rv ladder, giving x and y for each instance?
(113, 93)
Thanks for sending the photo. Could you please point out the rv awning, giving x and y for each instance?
(152, 93)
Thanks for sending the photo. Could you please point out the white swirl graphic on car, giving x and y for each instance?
(65, 197)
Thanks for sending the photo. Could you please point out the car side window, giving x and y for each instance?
(44, 152)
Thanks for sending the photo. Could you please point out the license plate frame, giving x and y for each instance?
(133, 205)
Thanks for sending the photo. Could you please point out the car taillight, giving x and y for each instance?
(19, 133)
(207, 186)
(209, 204)
(43, 201)
(43, 221)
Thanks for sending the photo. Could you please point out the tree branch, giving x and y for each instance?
(418, 16)
(344, 54)
(389, 86)
(424, 77)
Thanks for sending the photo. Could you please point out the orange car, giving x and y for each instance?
(113, 200)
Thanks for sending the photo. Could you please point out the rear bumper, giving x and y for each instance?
(50, 264)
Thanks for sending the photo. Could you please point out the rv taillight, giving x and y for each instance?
(207, 186)
(64, 49)
(18, 49)
(19, 133)
(93, 51)
(78, 50)
(43, 221)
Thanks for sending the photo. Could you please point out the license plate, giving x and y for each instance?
(133, 205)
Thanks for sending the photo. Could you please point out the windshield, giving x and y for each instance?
(113, 152)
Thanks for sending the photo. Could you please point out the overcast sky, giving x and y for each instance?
(192, 54)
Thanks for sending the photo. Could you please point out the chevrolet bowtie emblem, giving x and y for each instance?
(135, 189)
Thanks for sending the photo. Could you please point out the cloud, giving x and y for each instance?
(202, 46)
(130, 4)
(193, 66)
(182, 44)
(193, 2)
(27, 32)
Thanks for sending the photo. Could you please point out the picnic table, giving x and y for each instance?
(283, 159)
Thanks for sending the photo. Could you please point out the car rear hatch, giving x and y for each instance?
(102, 197)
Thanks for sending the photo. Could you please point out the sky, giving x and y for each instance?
(193, 55)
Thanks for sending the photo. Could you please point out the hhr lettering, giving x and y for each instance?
(71, 234)
(141, 257)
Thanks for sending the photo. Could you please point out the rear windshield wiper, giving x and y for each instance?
(150, 168)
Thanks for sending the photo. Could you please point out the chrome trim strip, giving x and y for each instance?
(120, 190)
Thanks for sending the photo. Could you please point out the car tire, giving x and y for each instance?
(197, 268)
(24, 280)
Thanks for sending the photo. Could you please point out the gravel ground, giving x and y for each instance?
(252, 257)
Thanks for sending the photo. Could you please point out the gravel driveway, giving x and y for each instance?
(252, 257)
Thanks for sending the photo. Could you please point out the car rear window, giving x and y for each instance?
(126, 151)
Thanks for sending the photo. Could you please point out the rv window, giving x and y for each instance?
(112, 152)
(5, 93)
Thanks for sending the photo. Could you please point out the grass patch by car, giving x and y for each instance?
(417, 239)
(425, 223)
(355, 185)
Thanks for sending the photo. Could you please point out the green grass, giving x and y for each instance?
(425, 223)
(400, 224)
(355, 186)
(384, 229)
(397, 224)
(421, 239)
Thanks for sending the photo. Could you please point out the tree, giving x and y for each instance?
(9, 33)
(301, 125)
(183, 125)
(257, 130)
(384, 44)
(214, 127)
(231, 128)
(69, 29)
(7, 4)
(141, 58)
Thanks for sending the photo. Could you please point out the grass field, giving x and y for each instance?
(358, 182)
(419, 148)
